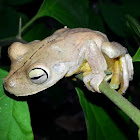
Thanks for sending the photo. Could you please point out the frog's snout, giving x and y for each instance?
(9, 85)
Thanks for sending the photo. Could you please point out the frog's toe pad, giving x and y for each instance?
(127, 72)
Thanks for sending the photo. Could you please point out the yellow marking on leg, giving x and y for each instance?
(115, 80)
(88, 83)
(78, 70)
(110, 62)
(115, 65)
(121, 78)
(84, 68)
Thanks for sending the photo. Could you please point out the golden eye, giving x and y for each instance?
(38, 75)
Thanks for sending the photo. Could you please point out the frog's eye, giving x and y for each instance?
(38, 75)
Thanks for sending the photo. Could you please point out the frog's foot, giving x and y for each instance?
(122, 73)
(93, 80)
(120, 63)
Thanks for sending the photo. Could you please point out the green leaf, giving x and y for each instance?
(67, 12)
(114, 17)
(38, 32)
(132, 7)
(96, 21)
(134, 25)
(14, 116)
(136, 57)
(99, 125)
(10, 21)
(3, 73)
(71, 13)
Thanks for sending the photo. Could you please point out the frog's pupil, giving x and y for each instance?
(37, 77)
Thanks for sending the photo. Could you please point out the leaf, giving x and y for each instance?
(99, 125)
(96, 21)
(134, 25)
(67, 12)
(114, 17)
(71, 13)
(9, 22)
(14, 116)
(38, 32)
(136, 57)
(132, 7)
(3, 73)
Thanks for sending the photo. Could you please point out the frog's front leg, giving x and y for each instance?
(120, 63)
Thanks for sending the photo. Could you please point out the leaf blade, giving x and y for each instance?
(99, 124)
(69, 12)
(14, 117)
(136, 57)
(114, 17)
(134, 25)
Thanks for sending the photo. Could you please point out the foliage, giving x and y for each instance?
(106, 129)
(117, 19)
(14, 117)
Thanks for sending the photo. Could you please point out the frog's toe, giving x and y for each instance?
(87, 80)
(122, 73)
(93, 80)
(125, 75)
(127, 69)
(130, 66)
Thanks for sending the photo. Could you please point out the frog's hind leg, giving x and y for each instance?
(122, 67)
(98, 65)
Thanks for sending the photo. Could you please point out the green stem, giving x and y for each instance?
(121, 102)
(28, 24)
(139, 134)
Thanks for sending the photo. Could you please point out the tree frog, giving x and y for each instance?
(38, 65)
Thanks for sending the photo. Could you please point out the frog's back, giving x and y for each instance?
(68, 35)
(67, 43)
(80, 35)
(77, 31)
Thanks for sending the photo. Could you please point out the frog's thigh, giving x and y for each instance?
(98, 65)
(95, 57)
(113, 49)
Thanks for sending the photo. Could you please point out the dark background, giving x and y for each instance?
(56, 112)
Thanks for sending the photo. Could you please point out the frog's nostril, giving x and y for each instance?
(9, 84)
(12, 83)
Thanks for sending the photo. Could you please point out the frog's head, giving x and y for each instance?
(33, 73)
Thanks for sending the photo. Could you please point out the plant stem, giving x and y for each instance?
(28, 24)
(19, 29)
(139, 134)
(121, 102)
